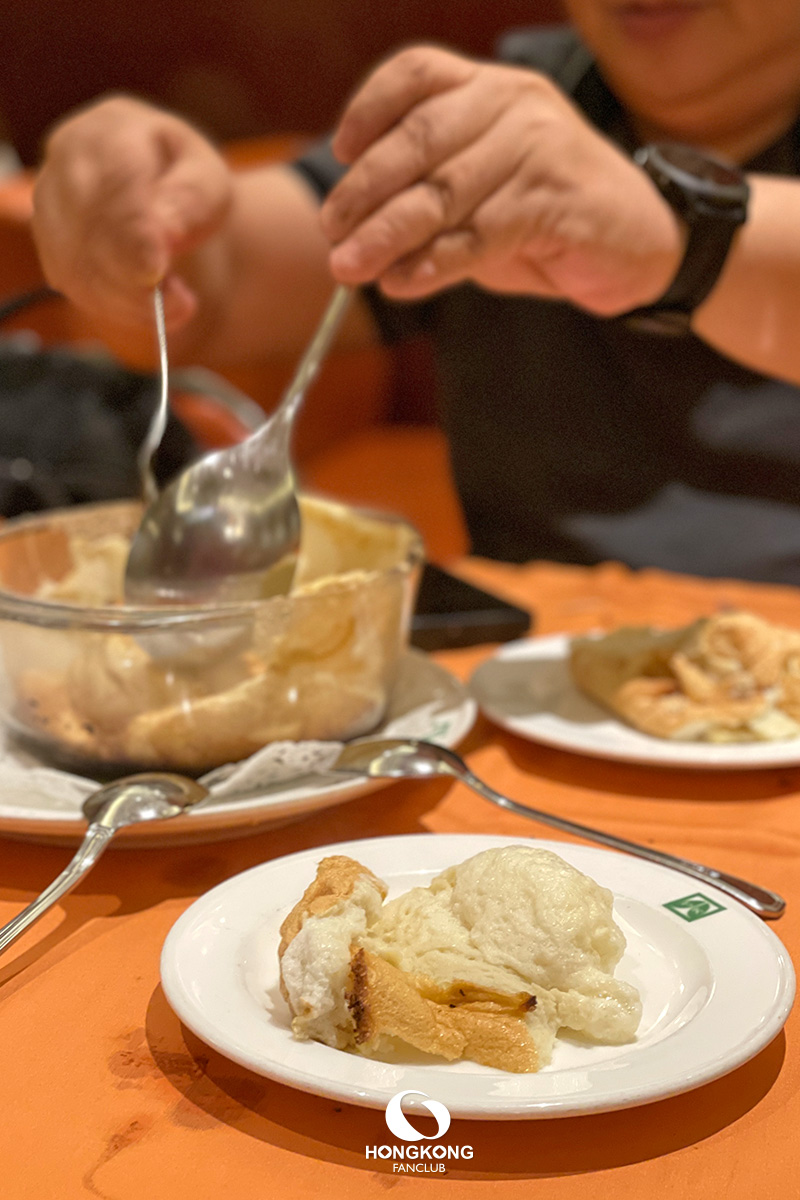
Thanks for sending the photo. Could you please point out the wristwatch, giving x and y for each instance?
(711, 197)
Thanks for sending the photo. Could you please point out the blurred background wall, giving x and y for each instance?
(239, 69)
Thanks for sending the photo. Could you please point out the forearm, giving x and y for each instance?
(753, 314)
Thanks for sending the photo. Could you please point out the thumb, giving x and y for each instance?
(180, 302)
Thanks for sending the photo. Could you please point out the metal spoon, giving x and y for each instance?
(409, 758)
(158, 424)
(150, 797)
(228, 528)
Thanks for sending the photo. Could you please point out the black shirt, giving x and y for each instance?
(578, 439)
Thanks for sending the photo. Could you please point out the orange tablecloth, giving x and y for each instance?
(105, 1095)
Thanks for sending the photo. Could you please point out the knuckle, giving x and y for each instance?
(365, 181)
(425, 65)
(534, 82)
(444, 190)
(415, 61)
(390, 235)
(386, 230)
(341, 209)
(420, 133)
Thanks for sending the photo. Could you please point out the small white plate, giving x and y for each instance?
(526, 688)
(426, 702)
(698, 1023)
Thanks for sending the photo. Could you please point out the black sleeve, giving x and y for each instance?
(319, 168)
(558, 52)
(554, 50)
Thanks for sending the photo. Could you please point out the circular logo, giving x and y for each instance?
(400, 1125)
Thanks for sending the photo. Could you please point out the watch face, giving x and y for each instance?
(699, 172)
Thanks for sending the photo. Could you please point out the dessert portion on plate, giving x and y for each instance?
(732, 677)
(488, 963)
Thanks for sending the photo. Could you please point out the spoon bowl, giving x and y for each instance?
(228, 528)
(152, 796)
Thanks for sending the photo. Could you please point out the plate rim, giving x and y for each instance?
(761, 1035)
(645, 750)
(252, 812)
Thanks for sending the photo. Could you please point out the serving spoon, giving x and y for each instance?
(151, 797)
(228, 528)
(411, 758)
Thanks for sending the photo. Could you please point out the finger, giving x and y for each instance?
(444, 262)
(107, 273)
(458, 256)
(496, 248)
(180, 303)
(391, 91)
(431, 133)
(444, 200)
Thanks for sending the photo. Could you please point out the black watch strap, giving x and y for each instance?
(703, 260)
(712, 212)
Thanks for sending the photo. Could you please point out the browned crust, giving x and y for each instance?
(336, 877)
(460, 1020)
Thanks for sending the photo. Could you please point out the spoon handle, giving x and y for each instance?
(315, 351)
(94, 843)
(158, 422)
(759, 900)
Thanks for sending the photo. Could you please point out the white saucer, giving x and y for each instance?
(527, 689)
(699, 1021)
(426, 702)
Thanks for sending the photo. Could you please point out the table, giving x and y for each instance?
(104, 1094)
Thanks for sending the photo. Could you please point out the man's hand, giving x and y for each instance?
(463, 170)
(124, 193)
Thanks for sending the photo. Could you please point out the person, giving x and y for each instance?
(618, 370)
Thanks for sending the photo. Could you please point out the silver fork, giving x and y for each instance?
(410, 758)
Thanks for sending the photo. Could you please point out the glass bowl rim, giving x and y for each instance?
(120, 618)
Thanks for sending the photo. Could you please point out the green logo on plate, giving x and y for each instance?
(694, 907)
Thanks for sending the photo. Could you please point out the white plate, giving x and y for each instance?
(699, 1021)
(526, 688)
(426, 702)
